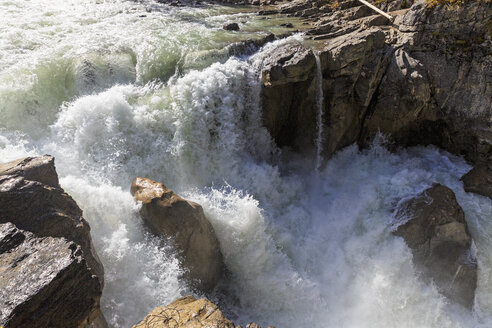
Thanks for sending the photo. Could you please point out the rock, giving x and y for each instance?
(190, 313)
(288, 95)
(41, 169)
(231, 27)
(51, 211)
(438, 87)
(169, 215)
(479, 180)
(45, 282)
(353, 65)
(437, 233)
(36, 213)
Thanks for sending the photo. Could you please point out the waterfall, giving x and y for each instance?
(319, 108)
(90, 83)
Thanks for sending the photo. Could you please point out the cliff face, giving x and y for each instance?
(426, 78)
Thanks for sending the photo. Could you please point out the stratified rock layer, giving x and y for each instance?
(188, 312)
(184, 221)
(44, 282)
(437, 233)
(426, 79)
(50, 275)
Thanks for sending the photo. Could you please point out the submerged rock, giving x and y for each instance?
(190, 313)
(479, 180)
(437, 233)
(170, 215)
(231, 27)
(50, 274)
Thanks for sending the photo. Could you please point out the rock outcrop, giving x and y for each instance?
(190, 313)
(169, 215)
(50, 274)
(288, 93)
(479, 180)
(424, 79)
(435, 229)
(45, 282)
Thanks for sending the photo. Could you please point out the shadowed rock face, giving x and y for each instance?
(479, 180)
(190, 313)
(437, 233)
(427, 79)
(169, 215)
(50, 274)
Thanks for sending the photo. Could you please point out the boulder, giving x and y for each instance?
(479, 180)
(51, 211)
(435, 229)
(45, 282)
(231, 27)
(46, 251)
(190, 313)
(169, 215)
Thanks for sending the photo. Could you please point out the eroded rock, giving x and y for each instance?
(45, 282)
(169, 215)
(190, 313)
(436, 231)
(31, 198)
(479, 180)
(50, 274)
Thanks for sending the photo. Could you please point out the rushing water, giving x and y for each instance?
(114, 95)
(319, 109)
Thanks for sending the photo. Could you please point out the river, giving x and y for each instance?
(118, 89)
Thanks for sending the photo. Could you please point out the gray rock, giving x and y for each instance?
(46, 251)
(479, 180)
(45, 282)
(435, 229)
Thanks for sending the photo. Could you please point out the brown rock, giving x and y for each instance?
(188, 312)
(170, 215)
(479, 180)
(437, 233)
(45, 282)
(41, 169)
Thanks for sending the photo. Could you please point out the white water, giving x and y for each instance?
(319, 108)
(77, 81)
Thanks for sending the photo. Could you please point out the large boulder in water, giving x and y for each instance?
(49, 269)
(479, 180)
(190, 313)
(169, 215)
(437, 233)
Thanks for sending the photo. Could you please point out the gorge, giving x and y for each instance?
(302, 135)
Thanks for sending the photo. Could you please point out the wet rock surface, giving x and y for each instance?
(190, 313)
(435, 229)
(479, 180)
(184, 222)
(50, 275)
(425, 78)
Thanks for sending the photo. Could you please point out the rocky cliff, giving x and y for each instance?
(425, 78)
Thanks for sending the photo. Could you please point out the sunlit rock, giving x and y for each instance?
(437, 233)
(50, 274)
(169, 215)
(190, 313)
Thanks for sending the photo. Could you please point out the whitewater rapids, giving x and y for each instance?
(119, 89)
